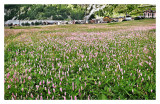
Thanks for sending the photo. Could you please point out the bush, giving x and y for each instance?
(77, 22)
(37, 23)
(23, 24)
(11, 24)
(32, 23)
(27, 24)
(11, 27)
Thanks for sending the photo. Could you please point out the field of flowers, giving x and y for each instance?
(81, 62)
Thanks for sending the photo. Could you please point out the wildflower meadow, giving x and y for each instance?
(108, 61)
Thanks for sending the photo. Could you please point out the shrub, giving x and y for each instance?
(77, 22)
(37, 23)
(23, 24)
(11, 24)
(27, 24)
(11, 27)
(32, 23)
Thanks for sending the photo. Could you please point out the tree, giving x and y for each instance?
(92, 8)
(71, 11)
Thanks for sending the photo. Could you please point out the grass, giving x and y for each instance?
(92, 61)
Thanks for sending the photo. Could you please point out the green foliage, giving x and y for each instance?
(23, 24)
(37, 23)
(32, 23)
(27, 24)
(77, 14)
(73, 11)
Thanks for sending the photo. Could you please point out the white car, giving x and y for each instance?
(128, 18)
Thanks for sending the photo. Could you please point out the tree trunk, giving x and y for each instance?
(95, 8)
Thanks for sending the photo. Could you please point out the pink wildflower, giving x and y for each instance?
(8, 86)
(82, 56)
(53, 85)
(40, 83)
(52, 97)
(54, 90)
(30, 70)
(80, 69)
(31, 95)
(64, 98)
(8, 75)
(114, 55)
(61, 89)
(81, 87)
(49, 92)
(95, 82)
(140, 64)
(24, 81)
(37, 86)
(12, 98)
(29, 77)
(22, 89)
(150, 63)
(75, 97)
(41, 98)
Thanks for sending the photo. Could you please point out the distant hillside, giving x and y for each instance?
(71, 11)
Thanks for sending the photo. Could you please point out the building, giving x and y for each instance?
(149, 14)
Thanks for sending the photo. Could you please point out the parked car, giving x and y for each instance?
(142, 17)
(138, 18)
(107, 19)
(128, 18)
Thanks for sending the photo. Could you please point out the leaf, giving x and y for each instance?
(104, 97)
